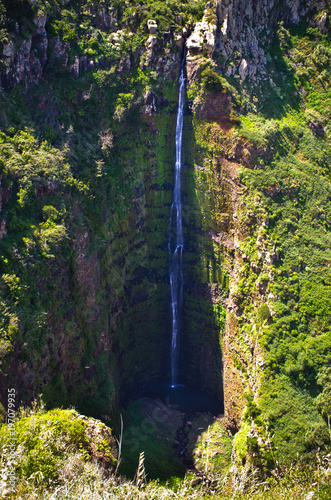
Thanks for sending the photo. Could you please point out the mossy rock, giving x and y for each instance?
(48, 442)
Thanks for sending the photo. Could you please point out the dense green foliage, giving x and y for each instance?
(86, 176)
(46, 442)
(211, 81)
(55, 462)
(292, 176)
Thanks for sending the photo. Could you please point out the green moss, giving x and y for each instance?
(151, 428)
(45, 440)
(240, 442)
(212, 453)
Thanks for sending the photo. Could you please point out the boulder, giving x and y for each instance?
(203, 36)
(321, 23)
(243, 69)
(8, 49)
(150, 103)
(152, 26)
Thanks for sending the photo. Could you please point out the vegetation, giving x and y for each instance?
(50, 448)
(58, 457)
(290, 178)
(86, 184)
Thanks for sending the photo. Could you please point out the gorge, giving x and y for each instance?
(110, 168)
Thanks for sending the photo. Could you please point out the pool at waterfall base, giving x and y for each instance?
(181, 397)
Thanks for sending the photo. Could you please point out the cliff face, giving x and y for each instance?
(104, 310)
(245, 29)
(242, 42)
(234, 34)
(237, 35)
(86, 192)
(101, 326)
(34, 47)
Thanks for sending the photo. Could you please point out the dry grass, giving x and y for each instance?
(86, 481)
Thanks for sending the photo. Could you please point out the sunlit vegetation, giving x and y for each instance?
(292, 176)
(86, 179)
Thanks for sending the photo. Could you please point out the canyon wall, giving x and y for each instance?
(86, 195)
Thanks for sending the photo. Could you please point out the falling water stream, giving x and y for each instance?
(176, 238)
(178, 395)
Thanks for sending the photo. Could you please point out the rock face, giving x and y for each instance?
(152, 26)
(25, 63)
(216, 107)
(321, 23)
(150, 103)
(102, 443)
(243, 69)
(26, 54)
(203, 37)
(202, 40)
(235, 34)
(238, 32)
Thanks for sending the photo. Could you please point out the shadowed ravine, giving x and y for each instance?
(159, 414)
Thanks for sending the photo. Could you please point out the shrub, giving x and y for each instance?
(211, 81)
(284, 36)
(47, 442)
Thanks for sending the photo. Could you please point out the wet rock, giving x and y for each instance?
(150, 103)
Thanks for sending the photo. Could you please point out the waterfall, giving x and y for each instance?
(176, 238)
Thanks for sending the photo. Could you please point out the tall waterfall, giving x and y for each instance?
(176, 239)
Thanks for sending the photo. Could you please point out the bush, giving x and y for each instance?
(47, 442)
(211, 82)
(284, 36)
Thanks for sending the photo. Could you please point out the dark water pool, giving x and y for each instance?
(181, 397)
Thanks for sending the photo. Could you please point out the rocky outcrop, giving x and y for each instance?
(246, 28)
(202, 40)
(150, 103)
(25, 57)
(236, 34)
(152, 26)
(30, 48)
(101, 443)
(203, 37)
(215, 107)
